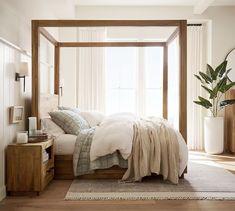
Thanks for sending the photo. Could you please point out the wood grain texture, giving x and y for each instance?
(64, 170)
(165, 82)
(26, 171)
(56, 70)
(35, 70)
(183, 79)
(53, 199)
(111, 44)
(229, 123)
(97, 23)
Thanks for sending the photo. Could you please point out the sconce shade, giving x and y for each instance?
(24, 69)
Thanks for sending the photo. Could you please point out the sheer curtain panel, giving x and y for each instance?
(196, 62)
(91, 71)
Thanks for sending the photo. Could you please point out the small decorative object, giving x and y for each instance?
(16, 114)
(216, 82)
(23, 72)
(32, 125)
(22, 137)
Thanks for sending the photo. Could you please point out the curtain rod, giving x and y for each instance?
(19, 49)
(194, 24)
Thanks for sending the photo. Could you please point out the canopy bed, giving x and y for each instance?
(42, 104)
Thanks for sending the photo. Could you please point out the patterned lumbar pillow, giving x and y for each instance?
(75, 110)
(70, 122)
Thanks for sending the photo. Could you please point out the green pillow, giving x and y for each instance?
(70, 122)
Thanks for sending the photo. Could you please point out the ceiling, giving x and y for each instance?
(153, 2)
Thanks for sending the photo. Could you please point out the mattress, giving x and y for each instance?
(64, 144)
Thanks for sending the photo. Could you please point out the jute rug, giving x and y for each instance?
(202, 182)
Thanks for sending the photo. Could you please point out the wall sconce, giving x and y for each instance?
(61, 87)
(23, 72)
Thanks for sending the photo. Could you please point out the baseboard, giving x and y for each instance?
(2, 192)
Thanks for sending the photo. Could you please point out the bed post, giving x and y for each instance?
(35, 69)
(56, 69)
(183, 79)
(165, 81)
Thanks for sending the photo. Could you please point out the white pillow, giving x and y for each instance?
(51, 128)
(93, 118)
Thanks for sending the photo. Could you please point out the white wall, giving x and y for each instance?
(15, 27)
(222, 19)
(68, 60)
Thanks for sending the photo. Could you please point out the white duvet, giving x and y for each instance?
(116, 133)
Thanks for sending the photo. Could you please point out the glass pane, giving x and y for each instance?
(154, 67)
(154, 80)
(154, 102)
(120, 68)
(173, 83)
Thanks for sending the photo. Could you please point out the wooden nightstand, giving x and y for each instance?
(26, 171)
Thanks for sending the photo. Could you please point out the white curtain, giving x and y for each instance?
(196, 62)
(91, 71)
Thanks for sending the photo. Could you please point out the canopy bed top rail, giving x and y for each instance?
(111, 44)
(181, 31)
(101, 23)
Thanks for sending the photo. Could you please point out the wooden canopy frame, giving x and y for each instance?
(38, 29)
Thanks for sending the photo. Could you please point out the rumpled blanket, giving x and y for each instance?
(155, 149)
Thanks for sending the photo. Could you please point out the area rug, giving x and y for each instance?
(205, 181)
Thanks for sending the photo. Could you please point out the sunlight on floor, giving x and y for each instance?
(225, 161)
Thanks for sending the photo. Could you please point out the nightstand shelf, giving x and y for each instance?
(26, 171)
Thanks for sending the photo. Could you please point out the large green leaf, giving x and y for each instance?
(209, 91)
(212, 73)
(203, 100)
(221, 84)
(205, 77)
(227, 87)
(202, 104)
(227, 102)
(220, 70)
(199, 78)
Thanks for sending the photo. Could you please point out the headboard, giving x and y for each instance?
(48, 103)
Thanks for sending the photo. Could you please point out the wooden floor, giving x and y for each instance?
(53, 197)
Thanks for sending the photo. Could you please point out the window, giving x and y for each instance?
(154, 80)
(121, 65)
(173, 87)
(134, 80)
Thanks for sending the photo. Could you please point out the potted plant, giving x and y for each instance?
(216, 82)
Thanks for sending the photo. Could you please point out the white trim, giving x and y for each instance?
(2, 192)
(151, 196)
(202, 6)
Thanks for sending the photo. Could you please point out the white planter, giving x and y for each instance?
(214, 135)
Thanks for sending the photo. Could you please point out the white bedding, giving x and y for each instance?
(116, 133)
(64, 144)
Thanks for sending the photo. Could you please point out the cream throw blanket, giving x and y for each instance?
(155, 149)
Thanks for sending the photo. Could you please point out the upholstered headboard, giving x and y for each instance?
(48, 103)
